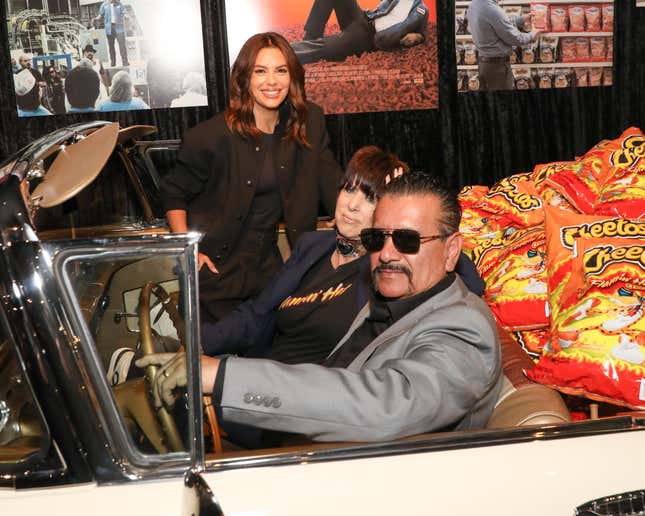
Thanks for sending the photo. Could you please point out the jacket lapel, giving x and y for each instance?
(398, 328)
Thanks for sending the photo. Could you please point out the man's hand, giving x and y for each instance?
(412, 39)
(170, 375)
(202, 260)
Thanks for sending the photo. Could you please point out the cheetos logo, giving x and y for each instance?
(621, 228)
(597, 259)
(633, 150)
(508, 188)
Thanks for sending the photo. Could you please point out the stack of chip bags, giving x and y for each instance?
(572, 296)
(510, 254)
(596, 275)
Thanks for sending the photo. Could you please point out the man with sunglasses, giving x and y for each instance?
(422, 356)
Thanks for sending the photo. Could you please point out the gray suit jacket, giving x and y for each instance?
(438, 367)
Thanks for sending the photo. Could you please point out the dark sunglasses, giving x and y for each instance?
(406, 241)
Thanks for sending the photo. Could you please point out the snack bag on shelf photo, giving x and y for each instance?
(562, 77)
(528, 53)
(568, 47)
(473, 80)
(470, 53)
(610, 50)
(559, 18)
(513, 11)
(595, 76)
(583, 52)
(461, 22)
(582, 77)
(598, 48)
(462, 80)
(513, 56)
(607, 77)
(540, 12)
(548, 49)
(607, 18)
(592, 18)
(523, 79)
(576, 18)
(546, 78)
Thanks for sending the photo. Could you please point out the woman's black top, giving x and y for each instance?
(224, 183)
(312, 320)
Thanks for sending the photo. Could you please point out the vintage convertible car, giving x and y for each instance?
(89, 269)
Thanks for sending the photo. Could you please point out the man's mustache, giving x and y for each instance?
(391, 267)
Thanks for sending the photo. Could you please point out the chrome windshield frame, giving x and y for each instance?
(133, 462)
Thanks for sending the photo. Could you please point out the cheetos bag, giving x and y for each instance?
(596, 345)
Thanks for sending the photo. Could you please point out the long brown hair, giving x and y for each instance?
(239, 115)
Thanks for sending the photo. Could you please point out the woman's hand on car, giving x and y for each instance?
(202, 260)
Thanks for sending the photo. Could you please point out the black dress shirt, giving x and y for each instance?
(383, 313)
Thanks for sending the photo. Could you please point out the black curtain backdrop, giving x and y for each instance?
(474, 138)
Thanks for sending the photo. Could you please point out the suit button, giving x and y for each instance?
(218, 257)
(276, 402)
(248, 397)
(225, 247)
(249, 182)
(267, 401)
(257, 399)
(257, 149)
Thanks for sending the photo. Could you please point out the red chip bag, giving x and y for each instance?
(598, 46)
(532, 341)
(583, 51)
(568, 50)
(576, 18)
(559, 18)
(564, 230)
(627, 151)
(607, 17)
(597, 343)
(516, 198)
(580, 181)
(469, 195)
(515, 275)
(623, 191)
(592, 18)
(540, 12)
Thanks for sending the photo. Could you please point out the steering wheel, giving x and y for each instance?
(165, 419)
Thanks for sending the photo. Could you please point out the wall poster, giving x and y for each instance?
(358, 56)
(573, 46)
(75, 56)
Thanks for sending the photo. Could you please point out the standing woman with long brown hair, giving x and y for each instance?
(263, 160)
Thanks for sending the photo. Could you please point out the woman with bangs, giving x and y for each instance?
(309, 305)
(263, 160)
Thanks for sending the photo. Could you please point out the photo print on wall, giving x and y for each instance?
(105, 55)
(359, 56)
(552, 44)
